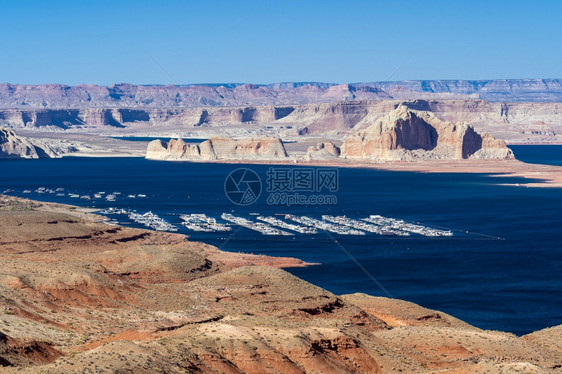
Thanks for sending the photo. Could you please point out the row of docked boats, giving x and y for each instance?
(288, 226)
(101, 195)
(340, 225)
(266, 225)
(403, 226)
(364, 226)
(148, 219)
(152, 221)
(202, 222)
(260, 227)
(323, 225)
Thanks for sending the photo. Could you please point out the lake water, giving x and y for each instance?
(501, 270)
(538, 154)
(150, 138)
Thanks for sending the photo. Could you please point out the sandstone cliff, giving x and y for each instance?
(323, 151)
(14, 146)
(515, 122)
(406, 134)
(217, 149)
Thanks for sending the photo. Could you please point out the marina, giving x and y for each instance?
(260, 227)
(202, 222)
(152, 221)
(403, 226)
(289, 226)
(361, 225)
(323, 225)
(267, 225)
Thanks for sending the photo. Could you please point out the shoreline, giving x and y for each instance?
(533, 175)
(536, 175)
(231, 259)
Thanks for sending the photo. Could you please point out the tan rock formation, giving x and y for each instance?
(14, 146)
(323, 151)
(218, 149)
(406, 134)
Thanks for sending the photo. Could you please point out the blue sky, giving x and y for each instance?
(105, 42)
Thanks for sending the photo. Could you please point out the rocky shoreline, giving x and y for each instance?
(79, 295)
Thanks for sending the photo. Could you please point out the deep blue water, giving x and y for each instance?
(505, 274)
(150, 138)
(538, 154)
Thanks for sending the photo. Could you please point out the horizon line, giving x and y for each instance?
(278, 83)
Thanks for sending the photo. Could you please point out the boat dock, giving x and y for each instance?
(289, 226)
(323, 225)
(260, 227)
(152, 221)
(401, 225)
(364, 226)
(203, 223)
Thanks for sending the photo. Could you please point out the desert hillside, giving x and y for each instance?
(78, 295)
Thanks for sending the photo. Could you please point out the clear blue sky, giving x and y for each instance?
(105, 42)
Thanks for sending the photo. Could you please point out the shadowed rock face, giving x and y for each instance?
(13, 146)
(406, 134)
(218, 149)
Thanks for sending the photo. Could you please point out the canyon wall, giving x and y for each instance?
(123, 117)
(513, 122)
(157, 96)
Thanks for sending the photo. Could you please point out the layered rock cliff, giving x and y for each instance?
(124, 117)
(218, 149)
(155, 96)
(514, 122)
(407, 134)
(14, 146)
